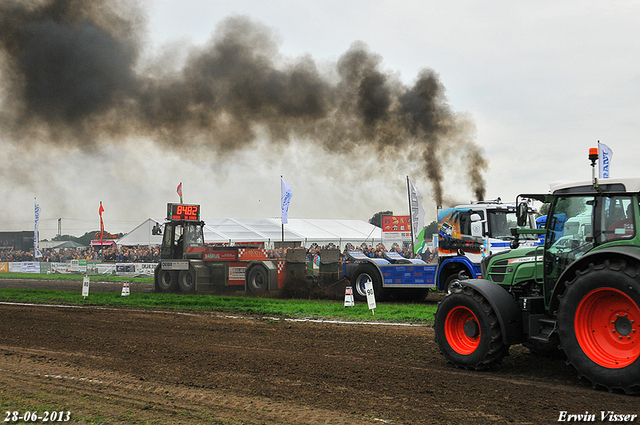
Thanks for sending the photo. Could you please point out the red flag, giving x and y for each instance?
(179, 190)
(100, 211)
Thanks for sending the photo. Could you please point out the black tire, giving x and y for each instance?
(187, 280)
(257, 280)
(468, 332)
(167, 281)
(364, 273)
(453, 282)
(599, 325)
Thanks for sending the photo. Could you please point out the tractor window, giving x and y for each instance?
(569, 234)
(617, 218)
(193, 235)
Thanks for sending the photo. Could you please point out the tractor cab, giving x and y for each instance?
(183, 235)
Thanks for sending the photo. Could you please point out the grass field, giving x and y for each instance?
(419, 313)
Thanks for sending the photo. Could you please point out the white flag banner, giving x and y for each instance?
(606, 154)
(417, 210)
(36, 251)
(285, 198)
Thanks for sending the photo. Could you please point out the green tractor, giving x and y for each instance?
(578, 293)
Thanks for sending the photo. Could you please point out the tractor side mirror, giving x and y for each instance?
(522, 214)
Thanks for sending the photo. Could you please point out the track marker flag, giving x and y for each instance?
(285, 198)
(36, 251)
(179, 190)
(606, 154)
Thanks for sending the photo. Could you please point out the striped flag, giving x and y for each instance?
(100, 211)
(179, 190)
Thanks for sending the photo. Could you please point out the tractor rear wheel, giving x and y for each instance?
(187, 280)
(167, 281)
(599, 325)
(468, 332)
(364, 273)
(257, 279)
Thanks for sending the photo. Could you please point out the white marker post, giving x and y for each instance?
(85, 286)
(125, 289)
(371, 297)
(348, 297)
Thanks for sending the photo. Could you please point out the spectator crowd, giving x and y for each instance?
(142, 254)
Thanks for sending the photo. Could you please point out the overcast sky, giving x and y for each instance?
(541, 82)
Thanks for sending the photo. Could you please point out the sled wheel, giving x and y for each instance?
(468, 332)
(453, 282)
(364, 273)
(599, 325)
(187, 281)
(167, 281)
(257, 280)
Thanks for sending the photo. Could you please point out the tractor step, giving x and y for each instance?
(546, 328)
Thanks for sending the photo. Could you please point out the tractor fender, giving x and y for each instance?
(505, 307)
(628, 252)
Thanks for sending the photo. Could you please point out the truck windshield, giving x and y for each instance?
(500, 224)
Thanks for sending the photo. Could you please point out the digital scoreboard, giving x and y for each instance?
(183, 212)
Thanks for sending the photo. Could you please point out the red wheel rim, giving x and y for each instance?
(606, 327)
(454, 329)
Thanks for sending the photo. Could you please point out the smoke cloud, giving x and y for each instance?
(72, 75)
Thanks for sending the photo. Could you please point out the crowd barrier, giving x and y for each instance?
(79, 267)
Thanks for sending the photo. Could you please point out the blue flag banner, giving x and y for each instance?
(36, 251)
(606, 154)
(285, 198)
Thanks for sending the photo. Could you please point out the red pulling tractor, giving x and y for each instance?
(188, 265)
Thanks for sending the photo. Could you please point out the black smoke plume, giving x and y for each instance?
(72, 75)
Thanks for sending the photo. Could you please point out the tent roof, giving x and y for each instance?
(60, 244)
(142, 234)
(268, 230)
(306, 231)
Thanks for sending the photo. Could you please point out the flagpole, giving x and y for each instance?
(413, 248)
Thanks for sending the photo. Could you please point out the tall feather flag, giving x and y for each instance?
(285, 199)
(179, 190)
(417, 215)
(606, 154)
(100, 211)
(36, 251)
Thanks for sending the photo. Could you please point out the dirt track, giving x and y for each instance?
(124, 366)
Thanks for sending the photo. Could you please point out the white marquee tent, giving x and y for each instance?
(269, 231)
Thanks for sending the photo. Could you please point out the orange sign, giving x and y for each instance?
(396, 223)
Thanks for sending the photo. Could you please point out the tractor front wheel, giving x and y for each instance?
(599, 325)
(468, 332)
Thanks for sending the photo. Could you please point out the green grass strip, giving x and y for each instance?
(419, 313)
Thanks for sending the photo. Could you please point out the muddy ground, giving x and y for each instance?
(130, 366)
